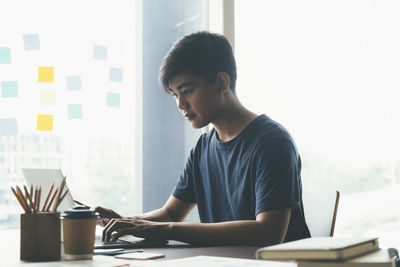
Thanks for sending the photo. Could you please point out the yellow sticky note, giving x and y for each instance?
(47, 97)
(44, 122)
(46, 74)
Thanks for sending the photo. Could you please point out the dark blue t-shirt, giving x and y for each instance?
(257, 171)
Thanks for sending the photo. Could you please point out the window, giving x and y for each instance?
(329, 72)
(72, 64)
(113, 131)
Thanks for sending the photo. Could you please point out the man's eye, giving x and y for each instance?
(187, 91)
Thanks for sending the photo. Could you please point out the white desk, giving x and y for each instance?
(10, 253)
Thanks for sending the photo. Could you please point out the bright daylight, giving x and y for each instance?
(200, 133)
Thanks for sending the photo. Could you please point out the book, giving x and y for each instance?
(319, 248)
(378, 258)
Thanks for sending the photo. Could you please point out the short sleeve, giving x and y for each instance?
(184, 189)
(277, 176)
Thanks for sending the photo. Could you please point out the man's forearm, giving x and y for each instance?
(252, 233)
(174, 210)
(158, 215)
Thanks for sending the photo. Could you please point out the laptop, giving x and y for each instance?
(44, 178)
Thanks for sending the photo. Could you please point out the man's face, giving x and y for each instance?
(197, 99)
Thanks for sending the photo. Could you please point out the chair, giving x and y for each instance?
(320, 208)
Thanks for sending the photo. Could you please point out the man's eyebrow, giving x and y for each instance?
(183, 85)
(180, 87)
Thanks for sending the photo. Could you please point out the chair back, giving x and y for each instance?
(320, 209)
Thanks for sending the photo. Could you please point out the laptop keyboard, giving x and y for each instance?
(128, 242)
(98, 241)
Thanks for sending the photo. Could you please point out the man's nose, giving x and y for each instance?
(181, 102)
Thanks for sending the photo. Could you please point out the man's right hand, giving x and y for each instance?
(106, 215)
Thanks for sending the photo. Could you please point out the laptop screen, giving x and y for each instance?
(44, 178)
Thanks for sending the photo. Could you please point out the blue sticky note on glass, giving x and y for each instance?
(100, 52)
(5, 55)
(74, 111)
(116, 75)
(74, 82)
(8, 127)
(9, 88)
(31, 41)
(113, 99)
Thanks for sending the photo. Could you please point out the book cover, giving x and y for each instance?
(378, 258)
(322, 248)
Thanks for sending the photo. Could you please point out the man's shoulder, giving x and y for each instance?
(266, 129)
(204, 140)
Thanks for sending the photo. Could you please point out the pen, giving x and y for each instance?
(131, 250)
(78, 202)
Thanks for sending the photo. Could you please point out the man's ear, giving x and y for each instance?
(223, 82)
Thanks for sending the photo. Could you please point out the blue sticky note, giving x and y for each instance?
(31, 41)
(8, 127)
(113, 99)
(74, 82)
(116, 74)
(74, 111)
(5, 55)
(100, 52)
(9, 88)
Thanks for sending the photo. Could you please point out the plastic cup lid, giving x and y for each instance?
(80, 212)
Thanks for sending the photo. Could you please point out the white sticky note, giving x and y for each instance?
(100, 52)
(47, 97)
(74, 82)
(31, 41)
(8, 127)
(116, 75)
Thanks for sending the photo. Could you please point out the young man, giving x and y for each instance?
(243, 175)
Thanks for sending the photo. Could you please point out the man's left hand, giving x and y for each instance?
(118, 227)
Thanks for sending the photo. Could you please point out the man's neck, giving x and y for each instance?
(233, 121)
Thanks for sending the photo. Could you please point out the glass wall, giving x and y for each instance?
(329, 71)
(79, 92)
(68, 99)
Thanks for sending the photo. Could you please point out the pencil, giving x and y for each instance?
(51, 201)
(47, 198)
(28, 196)
(62, 198)
(35, 198)
(40, 195)
(23, 199)
(58, 195)
(31, 192)
(19, 199)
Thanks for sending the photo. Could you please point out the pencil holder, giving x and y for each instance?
(40, 236)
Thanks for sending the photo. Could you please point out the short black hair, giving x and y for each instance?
(203, 54)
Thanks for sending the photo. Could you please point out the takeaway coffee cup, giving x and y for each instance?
(79, 227)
